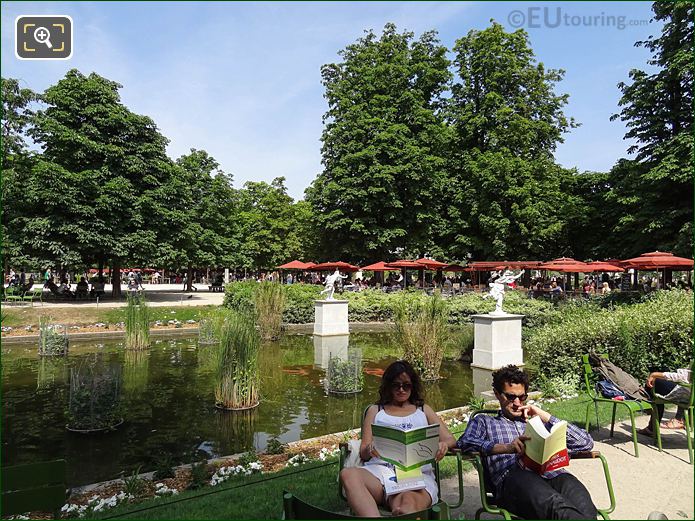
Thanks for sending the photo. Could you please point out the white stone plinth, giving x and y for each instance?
(331, 317)
(327, 347)
(497, 341)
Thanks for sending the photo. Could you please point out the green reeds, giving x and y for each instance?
(137, 323)
(237, 379)
(423, 330)
(135, 371)
(53, 338)
(345, 376)
(95, 396)
(269, 303)
(209, 327)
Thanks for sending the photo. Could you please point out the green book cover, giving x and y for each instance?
(406, 449)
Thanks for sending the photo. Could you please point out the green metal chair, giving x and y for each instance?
(34, 294)
(13, 295)
(656, 399)
(34, 487)
(295, 508)
(487, 495)
(632, 406)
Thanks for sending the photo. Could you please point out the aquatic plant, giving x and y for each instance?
(345, 376)
(209, 327)
(95, 396)
(269, 304)
(53, 338)
(422, 330)
(137, 323)
(237, 380)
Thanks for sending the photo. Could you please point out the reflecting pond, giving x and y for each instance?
(168, 406)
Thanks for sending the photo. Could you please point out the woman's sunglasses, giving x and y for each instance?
(511, 397)
(400, 385)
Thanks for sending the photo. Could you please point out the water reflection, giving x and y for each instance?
(327, 347)
(482, 380)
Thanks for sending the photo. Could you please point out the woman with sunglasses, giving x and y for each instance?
(400, 404)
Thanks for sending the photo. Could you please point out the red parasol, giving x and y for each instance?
(456, 267)
(565, 265)
(405, 264)
(294, 265)
(602, 267)
(432, 264)
(658, 260)
(327, 266)
(377, 266)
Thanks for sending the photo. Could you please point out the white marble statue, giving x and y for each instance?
(497, 289)
(330, 284)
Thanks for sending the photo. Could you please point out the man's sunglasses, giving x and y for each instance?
(511, 397)
(399, 385)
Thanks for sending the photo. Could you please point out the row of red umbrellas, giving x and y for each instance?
(646, 261)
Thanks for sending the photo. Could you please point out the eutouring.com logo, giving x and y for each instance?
(554, 17)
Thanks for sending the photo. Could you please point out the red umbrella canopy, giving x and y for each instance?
(327, 266)
(294, 265)
(487, 265)
(377, 266)
(565, 265)
(658, 260)
(602, 266)
(432, 264)
(455, 267)
(405, 264)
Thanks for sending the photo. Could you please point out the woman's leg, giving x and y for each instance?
(363, 490)
(410, 501)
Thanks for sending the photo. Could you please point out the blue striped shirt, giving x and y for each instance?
(486, 430)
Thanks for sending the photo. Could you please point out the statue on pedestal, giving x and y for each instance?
(330, 284)
(497, 289)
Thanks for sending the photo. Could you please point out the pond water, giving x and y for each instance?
(168, 401)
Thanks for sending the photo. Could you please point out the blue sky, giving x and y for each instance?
(242, 79)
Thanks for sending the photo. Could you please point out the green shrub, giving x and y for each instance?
(164, 466)
(654, 333)
(275, 446)
(345, 376)
(200, 475)
(53, 338)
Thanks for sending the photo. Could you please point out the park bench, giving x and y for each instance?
(216, 286)
(33, 487)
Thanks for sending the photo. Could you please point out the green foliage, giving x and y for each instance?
(275, 446)
(236, 376)
(246, 458)
(133, 484)
(53, 338)
(200, 475)
(383, 146)
(345, 376)
(423, 332)
(656, 333)
(653, 194)
(137, 323)
(269, 304)
(562, 386)
(210, 325)
(164, 466)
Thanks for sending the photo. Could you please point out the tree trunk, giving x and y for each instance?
(116, 278)
(189, 278)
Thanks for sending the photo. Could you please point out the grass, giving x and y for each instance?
(81, 316)
(137, 324)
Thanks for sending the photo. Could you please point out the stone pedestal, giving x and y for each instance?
(331, 317)
(497, 341)
(327, 347)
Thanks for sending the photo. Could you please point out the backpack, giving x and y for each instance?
(608, 389)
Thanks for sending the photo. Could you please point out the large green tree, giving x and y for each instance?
(96, 189)
(16, 167)
(655, 195)
(383, 146)
(505, 197)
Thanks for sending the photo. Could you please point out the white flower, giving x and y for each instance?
(296, 460)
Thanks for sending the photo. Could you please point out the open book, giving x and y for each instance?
(546, 450)
(407, 450)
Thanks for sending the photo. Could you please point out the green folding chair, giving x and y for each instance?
(34, 487)
(487, 491)
(632, 406)
(13, 295)
(32, 295)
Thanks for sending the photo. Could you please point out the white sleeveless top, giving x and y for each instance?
(416, 419)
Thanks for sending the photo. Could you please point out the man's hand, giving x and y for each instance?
(650, 380)
(441, 451)
(529, 411)
(517, 446)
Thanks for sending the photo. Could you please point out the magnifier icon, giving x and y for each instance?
(42, 35)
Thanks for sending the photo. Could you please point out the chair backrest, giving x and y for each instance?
(590, 377)
(35, 486)
(295, 508)
(487, 479)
